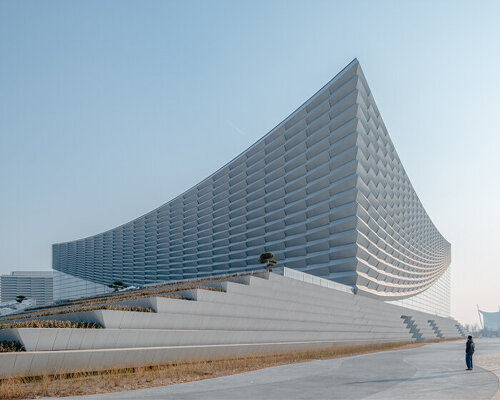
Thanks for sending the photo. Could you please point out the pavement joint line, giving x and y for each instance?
(491, 362)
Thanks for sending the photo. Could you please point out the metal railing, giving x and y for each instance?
(315, 280)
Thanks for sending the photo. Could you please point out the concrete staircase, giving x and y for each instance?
(412, 327)
(251, 314)
(436, 329)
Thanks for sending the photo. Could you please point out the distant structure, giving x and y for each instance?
(325, 191)
(490, 320)
(34, 285)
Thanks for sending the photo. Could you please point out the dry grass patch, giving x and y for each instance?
(145, 377)
(115, 307)
(42, 323)
(7, 347)
(125, 308)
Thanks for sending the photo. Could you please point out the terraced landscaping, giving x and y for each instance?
(205, 321)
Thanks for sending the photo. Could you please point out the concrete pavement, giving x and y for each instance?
(434, 371)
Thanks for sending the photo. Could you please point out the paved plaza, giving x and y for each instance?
(434, 371)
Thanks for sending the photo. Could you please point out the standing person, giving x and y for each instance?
(469, 351)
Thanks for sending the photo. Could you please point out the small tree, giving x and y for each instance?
(268, 259)
(20, 298)
(117, 285)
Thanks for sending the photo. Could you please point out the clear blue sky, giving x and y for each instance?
(108, 109)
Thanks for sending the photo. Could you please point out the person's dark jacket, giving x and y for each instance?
(469, 347)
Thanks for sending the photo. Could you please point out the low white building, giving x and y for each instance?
(34, 285)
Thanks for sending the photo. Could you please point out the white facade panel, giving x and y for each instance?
(325, 191)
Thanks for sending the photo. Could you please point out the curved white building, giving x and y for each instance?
(490, 320)
(324, 190)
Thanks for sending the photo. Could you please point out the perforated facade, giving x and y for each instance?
(34, 285)
(324, 190)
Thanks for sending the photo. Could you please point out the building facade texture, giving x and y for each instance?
(35, 285)
(325, 191)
